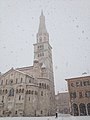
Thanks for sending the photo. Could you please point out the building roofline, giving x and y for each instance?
(24, 68)
(16, 71)
(77, 77)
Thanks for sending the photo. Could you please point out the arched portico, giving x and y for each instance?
(88, 108)
(82, 108)
(75, 110)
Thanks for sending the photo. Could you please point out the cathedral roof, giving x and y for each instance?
(12, 69)
(24, 68)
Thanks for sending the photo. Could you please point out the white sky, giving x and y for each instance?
(68, 25)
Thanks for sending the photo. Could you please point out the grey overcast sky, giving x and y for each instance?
(68, 25)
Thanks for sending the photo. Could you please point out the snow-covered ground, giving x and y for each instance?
(60, 117)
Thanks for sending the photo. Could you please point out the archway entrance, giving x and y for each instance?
(88, 108)
(75, 110)
(82, 109)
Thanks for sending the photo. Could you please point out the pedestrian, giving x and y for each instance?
(56, 114)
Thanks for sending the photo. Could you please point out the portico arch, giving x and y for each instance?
(82, 108)
(88, 108)
(75, 110)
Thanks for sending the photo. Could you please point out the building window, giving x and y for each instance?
(41, 93)
(73, 95)
(40, 39)
(87, 94)
(41, 112)
(29, 91)
(29, 81)
(21, 80)
(32, 92)
(77, 84)
(19, 90)
(72, 84)
(11, 92)
(6, 91)
(48, 87)
(3, 112)
(29, 98)
(16, 80)
(15, 112)
(6, 82)
(23, 90)
(40, 85)
(2, 82)
(86, 83)
(16, 90)
(80, 94)
(19, 97)
(36, 93)
(0, 92)
(12, 74)
(11, 81)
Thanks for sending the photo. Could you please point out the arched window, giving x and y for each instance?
(45, 86)
(19, 90)
(40, 85)
(19, 97)
(15, 112)
(88, 108)
(32, 92)
(41, 93)
(29, 80)
(41, 112)
(16, 90)
(21, 80)
(82, 108)
(2, 82)
(23, 90)
(11, 92)
(6, 91)
(29, 91)
(75, 110)
(0, 92)
(36, 93)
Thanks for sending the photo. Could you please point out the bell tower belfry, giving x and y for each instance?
(42, 49)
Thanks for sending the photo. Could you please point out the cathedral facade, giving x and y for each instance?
(29, 91)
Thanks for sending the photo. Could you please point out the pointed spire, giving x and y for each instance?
(42, 26)
(41, 12)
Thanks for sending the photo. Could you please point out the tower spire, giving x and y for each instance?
(42, 26)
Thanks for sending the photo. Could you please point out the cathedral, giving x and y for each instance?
(29, 91)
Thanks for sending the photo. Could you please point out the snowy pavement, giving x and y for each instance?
(48, 118)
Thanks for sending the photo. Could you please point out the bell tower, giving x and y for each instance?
(42, 49)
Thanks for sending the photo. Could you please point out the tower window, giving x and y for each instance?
(36, 93)
(29, 98)
(29, 81)
(40, 39)
(19, 97)
(29, 91)
(21, 80)
(16, 80)
(23, 90)
(15, 112)
(6, 82)
(41, 112)
(2, 82)
(41, 93)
